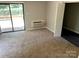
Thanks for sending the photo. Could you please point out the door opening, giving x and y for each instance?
(70, 29)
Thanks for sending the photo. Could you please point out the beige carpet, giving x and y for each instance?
(36, 43)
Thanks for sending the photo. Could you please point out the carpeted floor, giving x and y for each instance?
(35, 43)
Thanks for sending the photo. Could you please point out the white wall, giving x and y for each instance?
(34, 11)
(59, 18)
(55, 12)
(51, 15)
(52, 11)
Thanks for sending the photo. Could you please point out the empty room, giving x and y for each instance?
(33, 29)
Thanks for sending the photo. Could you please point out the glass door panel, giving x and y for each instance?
(17, 16)
(5, 20)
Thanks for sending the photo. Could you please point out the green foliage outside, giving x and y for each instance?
(16, 9)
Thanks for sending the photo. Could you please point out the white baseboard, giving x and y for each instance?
(49, 29)
(36, 28)
(71, 30)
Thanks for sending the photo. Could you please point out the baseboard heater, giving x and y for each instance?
(38, 24)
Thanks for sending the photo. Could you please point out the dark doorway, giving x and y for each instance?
(70, 30)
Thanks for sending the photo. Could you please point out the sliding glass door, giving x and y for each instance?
(5, 20)
(17, 16)
(11, 17)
